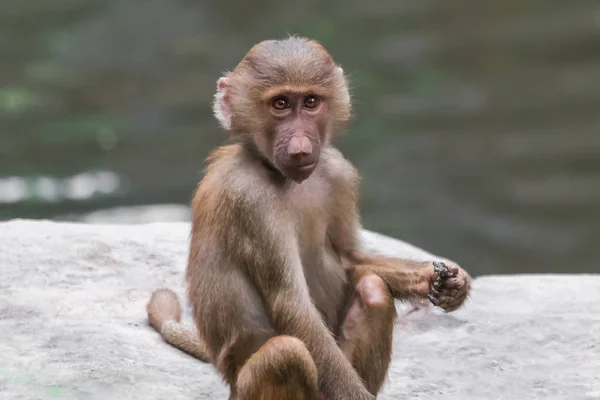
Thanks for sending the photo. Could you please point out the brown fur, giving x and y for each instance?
(164, 315)
(281, 369)
(163, 306)
(282, 293)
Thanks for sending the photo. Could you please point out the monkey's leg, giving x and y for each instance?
(366, 331)
(281, 369)
(256, 361)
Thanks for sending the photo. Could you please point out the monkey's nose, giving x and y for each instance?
(299, 147)
(300, 151)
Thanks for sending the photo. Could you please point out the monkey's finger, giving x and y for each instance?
(454, 283)
(452, 293)
(450, 308)
(454, 305)
(453, 270)
(460, 297)
(433, 300)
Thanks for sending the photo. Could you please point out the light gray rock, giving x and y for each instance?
(73, 325)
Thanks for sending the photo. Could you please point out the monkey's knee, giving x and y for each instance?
(366, 333)
(371, 308)
(282, 368)
(281, 358)
(374, 294)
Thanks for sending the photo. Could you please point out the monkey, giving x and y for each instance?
(285, 301)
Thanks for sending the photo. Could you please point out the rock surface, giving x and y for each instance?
(73, 325)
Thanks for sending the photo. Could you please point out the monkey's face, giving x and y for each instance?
(297, 132)
(288, 97)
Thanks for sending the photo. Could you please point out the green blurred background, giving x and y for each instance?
(476, 130)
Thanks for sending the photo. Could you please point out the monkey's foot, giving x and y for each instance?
(450, 286)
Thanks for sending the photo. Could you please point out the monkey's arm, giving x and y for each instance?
(407, 279)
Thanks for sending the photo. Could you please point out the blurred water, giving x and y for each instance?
(477, 124)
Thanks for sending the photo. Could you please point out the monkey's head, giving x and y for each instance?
(287, 97)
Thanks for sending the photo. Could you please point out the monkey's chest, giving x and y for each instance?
(326, 280)
(323, 270)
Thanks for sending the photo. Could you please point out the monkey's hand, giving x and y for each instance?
(450, 286)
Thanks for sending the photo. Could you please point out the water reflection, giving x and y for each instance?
(43, 189)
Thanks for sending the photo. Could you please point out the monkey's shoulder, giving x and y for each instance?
(227, 164)
(338, 169)
(223, 157)
(230, 177)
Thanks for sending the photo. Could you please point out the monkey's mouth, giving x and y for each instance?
(300, 173)
(306, 167)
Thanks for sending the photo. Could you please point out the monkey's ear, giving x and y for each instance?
(341, 74)
(344, 92)
(222, 102)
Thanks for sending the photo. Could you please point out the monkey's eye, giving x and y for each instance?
(311, 101)
(280, 103)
